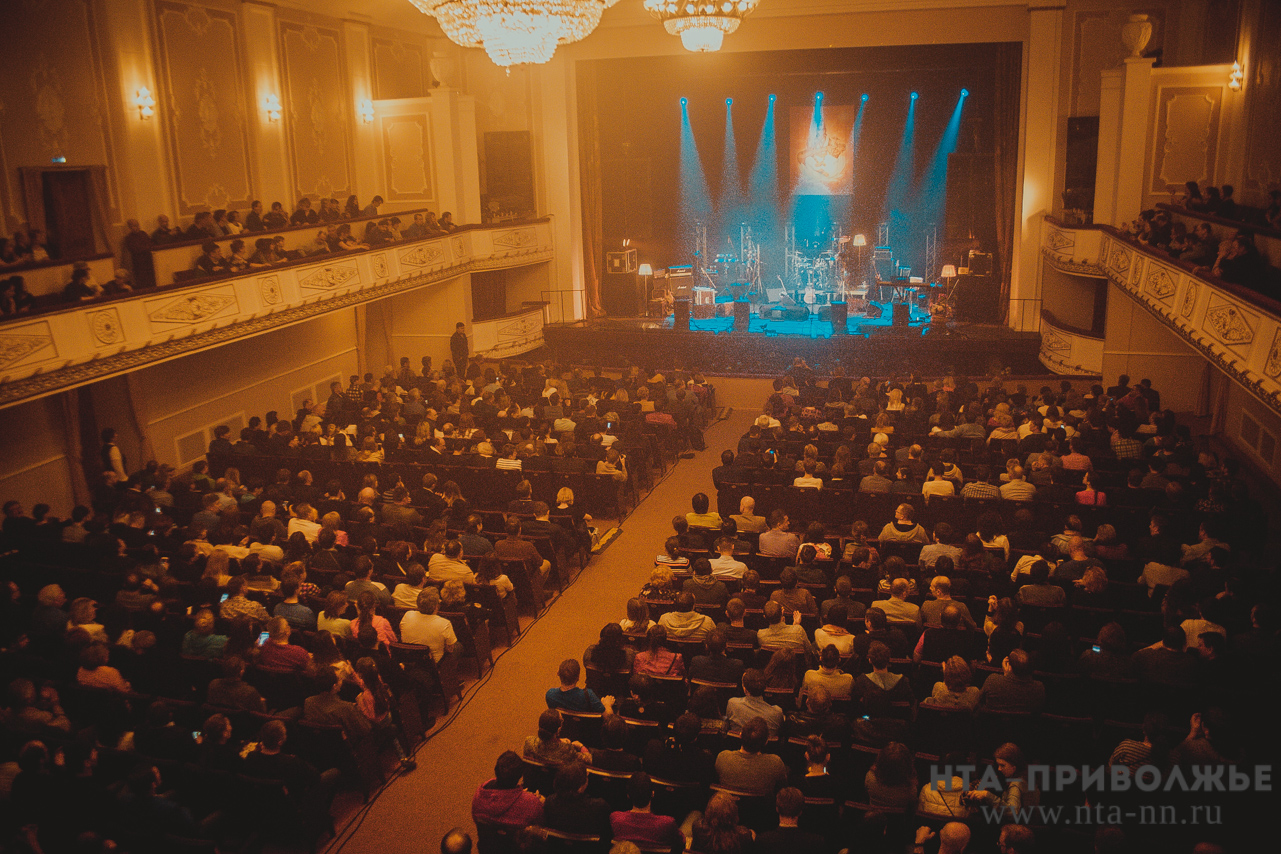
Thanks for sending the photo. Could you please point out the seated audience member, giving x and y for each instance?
(955, 691)
(704, 586)
(903, 529)
(640, 824)
(715, 666)
(750, 769)
(838, 684)
(569, 696)
(789, 837)
(1013, 689)
(740, 711)
(503, 800)
(684, 622)
(656, 659)
(427, 628)
(549, 748)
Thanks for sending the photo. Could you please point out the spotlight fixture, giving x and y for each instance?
(864, 99)
(965, 93)
(366, 110)
(729, 102)
(684, 102)
(701, 24)
(271, 106)
(915, 96)
(773, 98)
(145, 102)
(515, 31)
(1236, 77)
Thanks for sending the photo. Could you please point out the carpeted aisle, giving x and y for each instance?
(414, 812)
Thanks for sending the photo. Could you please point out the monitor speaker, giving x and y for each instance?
(682, 314)
(742, 316)
(902, 313)
(840, 318)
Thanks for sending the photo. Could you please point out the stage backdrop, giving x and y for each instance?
(758, 166)
(822, 150)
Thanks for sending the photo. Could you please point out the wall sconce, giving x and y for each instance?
(1236, 77)
(366, 109)
(145, 102)
(271, 103)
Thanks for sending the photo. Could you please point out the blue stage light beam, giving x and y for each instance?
(897, 195)
(695, 199)
(731, 186)
(931, 192)
(762, 211)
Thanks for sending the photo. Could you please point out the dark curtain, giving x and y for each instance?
(1008, 68)
(589, 179)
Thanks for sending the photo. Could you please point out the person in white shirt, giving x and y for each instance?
(425, 627)
(304, 519)
(725, 566)
(407, 592)
(449, 564)
(937, 485)
(809, 480)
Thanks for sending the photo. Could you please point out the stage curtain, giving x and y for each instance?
(589, 180)
(1008, 68)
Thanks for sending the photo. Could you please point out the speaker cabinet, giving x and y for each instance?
(623, 295)
(902, 313)
(682, 314)
(978, 300)
(742, 316)
(840, 318)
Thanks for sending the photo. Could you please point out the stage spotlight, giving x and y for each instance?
(865, 96)
(818, 96)
(773, 98)
(729, 102)
(965, 93)
(915, 96)
(684, 102)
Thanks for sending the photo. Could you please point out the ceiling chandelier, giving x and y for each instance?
(514, 32)
(701, 24)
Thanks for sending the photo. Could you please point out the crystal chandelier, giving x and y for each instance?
(701, 24)
(513, 32)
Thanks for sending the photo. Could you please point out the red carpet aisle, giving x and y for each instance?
(416, 810)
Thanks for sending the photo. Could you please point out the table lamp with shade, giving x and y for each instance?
(646, 272)
(860, 240)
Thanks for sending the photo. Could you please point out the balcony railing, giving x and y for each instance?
(1237, 329)
(44, 353)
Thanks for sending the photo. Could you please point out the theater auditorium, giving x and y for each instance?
(632, 426)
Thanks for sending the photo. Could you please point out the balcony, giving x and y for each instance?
(69, 346)
(1236, 328)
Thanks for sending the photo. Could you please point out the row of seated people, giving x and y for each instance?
(1221, 202)
(1207, 637)
(730, 735)
(201, 602)
(1235, 258)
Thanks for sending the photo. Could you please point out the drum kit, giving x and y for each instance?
(817, 272)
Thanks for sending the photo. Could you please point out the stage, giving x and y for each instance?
(869, 347)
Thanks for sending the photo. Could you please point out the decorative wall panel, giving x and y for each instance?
(407, 153)
(400, 68)
(317, 109)
(1186, 137)
(1096, 45)
(204, 106)
(51, 106)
